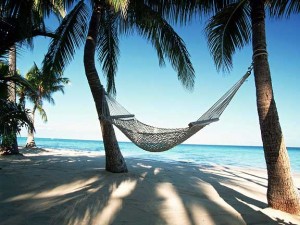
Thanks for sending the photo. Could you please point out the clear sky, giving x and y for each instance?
(157, 98)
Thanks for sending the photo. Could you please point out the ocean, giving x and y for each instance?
(225, 155)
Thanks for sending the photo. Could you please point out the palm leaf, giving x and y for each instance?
(6, 77)
(27, 20)
(44, 7)
(280, 8)
(13, 117)
(166, 41)
(107, 47)
(42, 113)
(228, 30)
(184, 11)
(119, 5)
(70, 35)
(24, 17)
(20, 81)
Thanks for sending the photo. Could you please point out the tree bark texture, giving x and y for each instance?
(282, 193)
(12, 63)
(114, 159)
(30, 143)
(10, 144)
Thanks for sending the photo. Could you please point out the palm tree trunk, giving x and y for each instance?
(13, 144)
(114, 159)
(12, 62)
(281, 193)
(30, 143)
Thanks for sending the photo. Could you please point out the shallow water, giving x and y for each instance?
(242, 156)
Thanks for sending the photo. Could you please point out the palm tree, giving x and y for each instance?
(12, 116)
(20, 22)
(45, 85)
(234, 24)
(109, 20)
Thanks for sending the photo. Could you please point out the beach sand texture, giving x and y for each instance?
(73, 188)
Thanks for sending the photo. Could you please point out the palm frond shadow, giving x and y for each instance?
(145, 195)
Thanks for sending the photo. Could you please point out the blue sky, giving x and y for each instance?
(157, 98)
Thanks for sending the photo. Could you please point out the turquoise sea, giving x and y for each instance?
(242, 156)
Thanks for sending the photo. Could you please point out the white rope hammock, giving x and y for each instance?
(156, 139)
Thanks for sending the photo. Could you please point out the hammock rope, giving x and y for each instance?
(156, 139)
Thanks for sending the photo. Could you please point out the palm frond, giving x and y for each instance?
(166, 41)
(26, 20)
(24, 17)
(13, 117)
(44, 7)
(280, 8)
(46, 85)
(108, 47)
(184, 11)
(19, 80)
(4, 69)
(119, 5)
(70, 35)
(6, 77)
(3, 54)
(64, 80)
(228, 30)
(42, 113)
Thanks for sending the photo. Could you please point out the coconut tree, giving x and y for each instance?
(45, 85)
(232, 25)
(20, 22)
(235, 23)
(109, 20)
(12, 116)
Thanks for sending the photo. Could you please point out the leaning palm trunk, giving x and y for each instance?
(30, 143)
(281, 193)
(114, 159)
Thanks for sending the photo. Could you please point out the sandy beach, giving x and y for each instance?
(72, 188)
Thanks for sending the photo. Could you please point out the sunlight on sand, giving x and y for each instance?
(172, 208)
(67, 188)
(114, 204)
(54, 192)
(197, 211)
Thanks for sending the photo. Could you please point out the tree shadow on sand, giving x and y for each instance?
(73, 190)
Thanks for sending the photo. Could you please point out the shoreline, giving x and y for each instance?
(72, 187)
(250, 157)
(147, 158)
(128, 141)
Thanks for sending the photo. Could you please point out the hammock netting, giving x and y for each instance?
(156, 139)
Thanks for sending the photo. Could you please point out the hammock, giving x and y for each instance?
(154, 139)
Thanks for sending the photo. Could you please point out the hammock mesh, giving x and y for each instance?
(156, 139)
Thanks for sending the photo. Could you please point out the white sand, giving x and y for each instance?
(65, 187)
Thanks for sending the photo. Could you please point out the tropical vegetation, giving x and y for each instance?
(20, 22)
(13, 116)
(232, 25)
(45, 85)
(108, 21)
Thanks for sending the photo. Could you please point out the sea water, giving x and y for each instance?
(241, 156)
